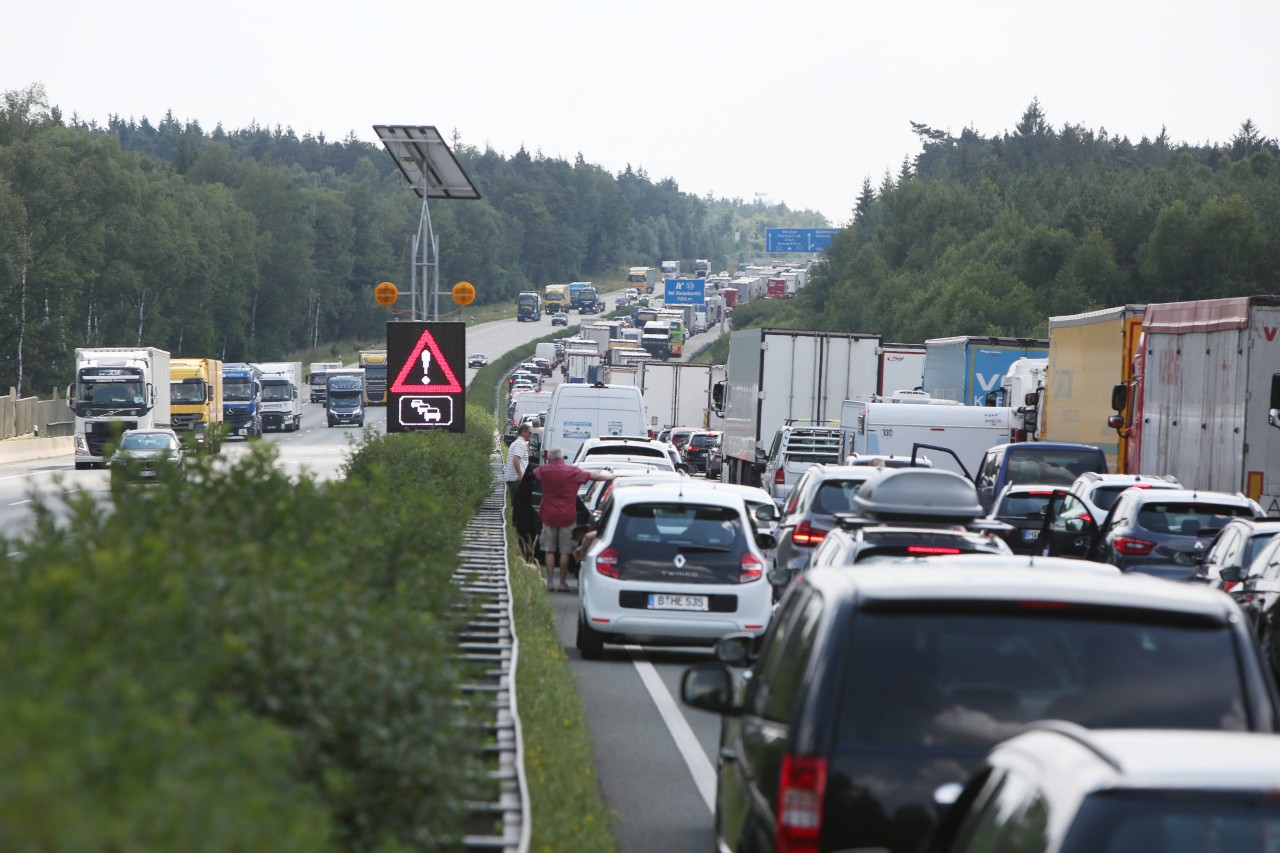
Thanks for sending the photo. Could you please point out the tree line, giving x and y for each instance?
(253, 243)
(992, 235)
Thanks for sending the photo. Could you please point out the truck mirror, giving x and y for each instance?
(1029, 416)
(992, 399)
(1119, 397)
(717, 397)
(1031, 399)
(1273, 416)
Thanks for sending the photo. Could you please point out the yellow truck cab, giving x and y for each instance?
(374, 362)
(195, 390)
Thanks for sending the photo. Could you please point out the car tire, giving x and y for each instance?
(590, 642)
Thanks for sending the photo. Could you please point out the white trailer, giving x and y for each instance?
(679, 394)
(893, 427)
(778, 375)
(281, 394)
(901, 368)
(582, 365)
(116, 388)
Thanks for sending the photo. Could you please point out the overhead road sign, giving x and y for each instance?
(685, 291)
(426, 160)
(425, 392)
(798, 239)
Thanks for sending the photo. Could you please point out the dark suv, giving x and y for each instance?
(874, 687)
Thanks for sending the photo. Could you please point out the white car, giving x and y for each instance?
(630, 446)
(1099, 492)
(674, 563)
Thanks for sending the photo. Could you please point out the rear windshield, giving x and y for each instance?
(1189, 519)
(626, 450)
(1057, 467)
(1024, 505)
(940, 679)
(836, 496)
(1119, 822)
(679, 543)
(704, 441)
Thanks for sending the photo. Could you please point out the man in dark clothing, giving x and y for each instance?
(559, 510)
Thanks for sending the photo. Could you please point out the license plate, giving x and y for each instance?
(147, 473)
(242, 431)
(664, 601)
(1030, 535)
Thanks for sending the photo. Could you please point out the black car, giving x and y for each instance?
(1157, 531)
(874, 687)
(147, 456)
(1023, 508)
(698, 450)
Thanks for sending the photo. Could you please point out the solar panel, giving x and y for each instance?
(426, 161)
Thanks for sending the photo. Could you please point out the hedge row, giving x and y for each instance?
(240, 660)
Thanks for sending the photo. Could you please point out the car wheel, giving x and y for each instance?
(590, 641)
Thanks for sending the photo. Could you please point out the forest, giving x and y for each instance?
(253, 243)
(992, 235)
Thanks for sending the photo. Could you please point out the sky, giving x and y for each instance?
(794, 101)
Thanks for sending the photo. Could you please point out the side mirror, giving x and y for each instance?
(1232, 573)
(1119, 397)
(710, 688)
(766, 541)
(717, 397)
(736, 648)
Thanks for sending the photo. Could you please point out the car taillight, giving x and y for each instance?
(801, 790)
(779, 477)
(932, 550)
(806, 535)
(607, 563)
(1132, 547)
(752, 569)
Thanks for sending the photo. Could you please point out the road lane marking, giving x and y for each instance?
(700, 767)
(20, 503)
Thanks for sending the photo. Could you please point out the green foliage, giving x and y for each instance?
(238, 660)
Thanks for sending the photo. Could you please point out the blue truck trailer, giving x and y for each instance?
(967, 368)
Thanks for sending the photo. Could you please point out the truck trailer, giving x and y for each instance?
(778, 375)
(1202, 402)
(967, 368)
(281, 395)
(195, 397)
(679, 394)
(116, 388)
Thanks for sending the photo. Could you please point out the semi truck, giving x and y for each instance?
(318, 380)
(775, 288)
(556, 298)
(1204, 400)
(701, 268)
(195, 398)
(575, 294)
(670, 269)
(679, 394)
(374, 364)
(901, 368)
(528, 306)
(588, 300)
(892, 426)
(643, 279)
(967, 368)
(344, 397)
(778, 375)
(656, 339)
(281, 395)
(1089, 354)
(241, 400)
(116, 388)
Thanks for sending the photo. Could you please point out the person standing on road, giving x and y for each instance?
(559, 511)
(517, 461)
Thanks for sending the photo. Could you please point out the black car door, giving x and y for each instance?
(1069, 528)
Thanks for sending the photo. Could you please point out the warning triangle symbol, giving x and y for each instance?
(420, 371)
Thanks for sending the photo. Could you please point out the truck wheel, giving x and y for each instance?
(590, 642)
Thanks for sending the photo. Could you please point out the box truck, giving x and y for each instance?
(679, 394)
(281, 394)
(967, 368)
(116, 388)
(901, 368)
(774, 376)
(892, 427)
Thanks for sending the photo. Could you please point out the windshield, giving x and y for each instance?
(373, 372)
(274, 392)
(947, 679)
(148, 441)
(343, 398)
(1051, 466)
(705, 440)
(238, 390)
(187, 392)
(114, 392)
(1189, 519)
(1121, 821)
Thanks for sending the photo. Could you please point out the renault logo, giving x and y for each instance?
(679, 561)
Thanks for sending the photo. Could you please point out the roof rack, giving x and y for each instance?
(1075, 732)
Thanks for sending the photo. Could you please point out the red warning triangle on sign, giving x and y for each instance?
(415, 366)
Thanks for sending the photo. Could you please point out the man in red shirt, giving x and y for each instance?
(559, 510)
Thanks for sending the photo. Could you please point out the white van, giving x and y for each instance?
(547, 350)
(886, 428)
(582, 411)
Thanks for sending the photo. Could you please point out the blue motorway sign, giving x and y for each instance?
(798, 239)
(685, 291)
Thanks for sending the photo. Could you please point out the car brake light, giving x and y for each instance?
(779, 477)
(801, 790)
(806, 535)
(752, 569)
(931, 549)
(607, 563)
(1132, 547)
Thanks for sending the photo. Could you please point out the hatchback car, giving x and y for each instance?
(634, 446)
(1259, 595)
(677, 437)
(1157, 531)
(1060, 788)
(477, 359)
(1233, 551)
(672, 564)
(1023, 508)
(560, 319)
(1101, 491)
(698, 449)
(144, 455)
(874, 687)
(810, 513)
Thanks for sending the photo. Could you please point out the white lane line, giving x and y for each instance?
(704, 774)
(20, 503)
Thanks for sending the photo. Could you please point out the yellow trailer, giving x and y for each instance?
(1089, 354)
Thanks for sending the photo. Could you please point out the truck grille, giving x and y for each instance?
(235, 420)
(99, 433)
(186, 420)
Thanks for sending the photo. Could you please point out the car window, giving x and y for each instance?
(1123, 821)
(1269, 560)
(776, 681)
(1049, 465)
(1013, 818)
(680, 543)
(1224, 549)
(989, 468)
(1072, 516)
(834, 496)
(921, 678)
(1105, 497)
(1024, 504)
(1188, 519)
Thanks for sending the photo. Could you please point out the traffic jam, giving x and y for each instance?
(950, 602)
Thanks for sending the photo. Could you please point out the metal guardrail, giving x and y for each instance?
(489, 644)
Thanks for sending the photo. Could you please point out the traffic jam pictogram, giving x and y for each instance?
(425, 392)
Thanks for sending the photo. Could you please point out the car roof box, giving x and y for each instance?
(919, 493)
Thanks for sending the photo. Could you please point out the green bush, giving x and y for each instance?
(240, 660)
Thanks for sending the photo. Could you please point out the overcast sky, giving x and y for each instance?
(796, 101)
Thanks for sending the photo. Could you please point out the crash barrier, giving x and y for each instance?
(488, 644)
(33, 416)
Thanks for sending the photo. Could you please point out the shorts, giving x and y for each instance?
(557, 539)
